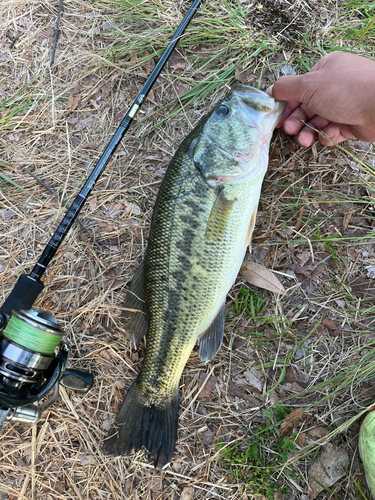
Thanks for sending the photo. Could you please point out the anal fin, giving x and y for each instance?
(135, 308)
(210, 341)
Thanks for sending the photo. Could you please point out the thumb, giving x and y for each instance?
(290, 88)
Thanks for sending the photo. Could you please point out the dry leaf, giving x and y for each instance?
(290, 421)
(318, 432)
(327, 469)
(187, 493)
(299, 222)
(334, 329)
(363, 288)
(93, 203)
(303, 258)
(155, 483)
(346, 220)
(370, 271)
(208, 437)
(253, 379)
(120, 115)
(209, 386)
(179, 65)
(73, 102)
(292, 375)
(260, 276)
(239, 74)
(301, 439)
(106, 90)
(86, 459)
(120, 384)
(82, 124)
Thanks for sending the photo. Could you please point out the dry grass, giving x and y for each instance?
(56, 125)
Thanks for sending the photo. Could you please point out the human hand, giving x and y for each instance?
(337, 97)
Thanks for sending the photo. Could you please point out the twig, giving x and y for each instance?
(85, 228)
(197, 394)
(24, 487)
(308, 241)
(191, 479)
(56, 37)
(33, 461)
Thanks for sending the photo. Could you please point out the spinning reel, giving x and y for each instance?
(33, 362)
(33, 357)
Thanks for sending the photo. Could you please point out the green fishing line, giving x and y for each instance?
(32, 338)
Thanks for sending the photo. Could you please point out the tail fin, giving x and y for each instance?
(140, 423)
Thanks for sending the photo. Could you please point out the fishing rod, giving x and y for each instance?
(33, 356)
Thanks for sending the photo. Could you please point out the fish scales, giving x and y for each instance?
(187, 276)
(202, 223)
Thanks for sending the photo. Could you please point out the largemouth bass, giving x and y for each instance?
(202, 224)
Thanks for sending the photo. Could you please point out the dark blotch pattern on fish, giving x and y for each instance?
(198, 238)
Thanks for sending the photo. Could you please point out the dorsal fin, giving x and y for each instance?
(134, 301)
(210, 341)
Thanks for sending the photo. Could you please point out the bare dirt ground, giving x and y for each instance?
(312, 348)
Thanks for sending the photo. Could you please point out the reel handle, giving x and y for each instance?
(76, 380)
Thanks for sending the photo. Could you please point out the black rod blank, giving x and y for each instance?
(80, 199)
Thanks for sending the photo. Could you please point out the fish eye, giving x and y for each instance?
(222, 110)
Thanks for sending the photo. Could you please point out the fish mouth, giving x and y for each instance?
(253, 103)
(259, 111)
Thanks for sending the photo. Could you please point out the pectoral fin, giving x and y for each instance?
(210, 341)
(219, 217)
(136, 312)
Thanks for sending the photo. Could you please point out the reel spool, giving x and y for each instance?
(27, 349)
(32, 364)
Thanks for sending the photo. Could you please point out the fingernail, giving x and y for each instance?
(269, 91)
(330, 131)
(305, 138)
(291, 126)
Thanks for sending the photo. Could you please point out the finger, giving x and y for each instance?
(337, 132)
(307, 134)
(363, 133)
(289, 88)
(297, 119)
(290, 106)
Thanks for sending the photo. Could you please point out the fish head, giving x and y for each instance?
(231, 141)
